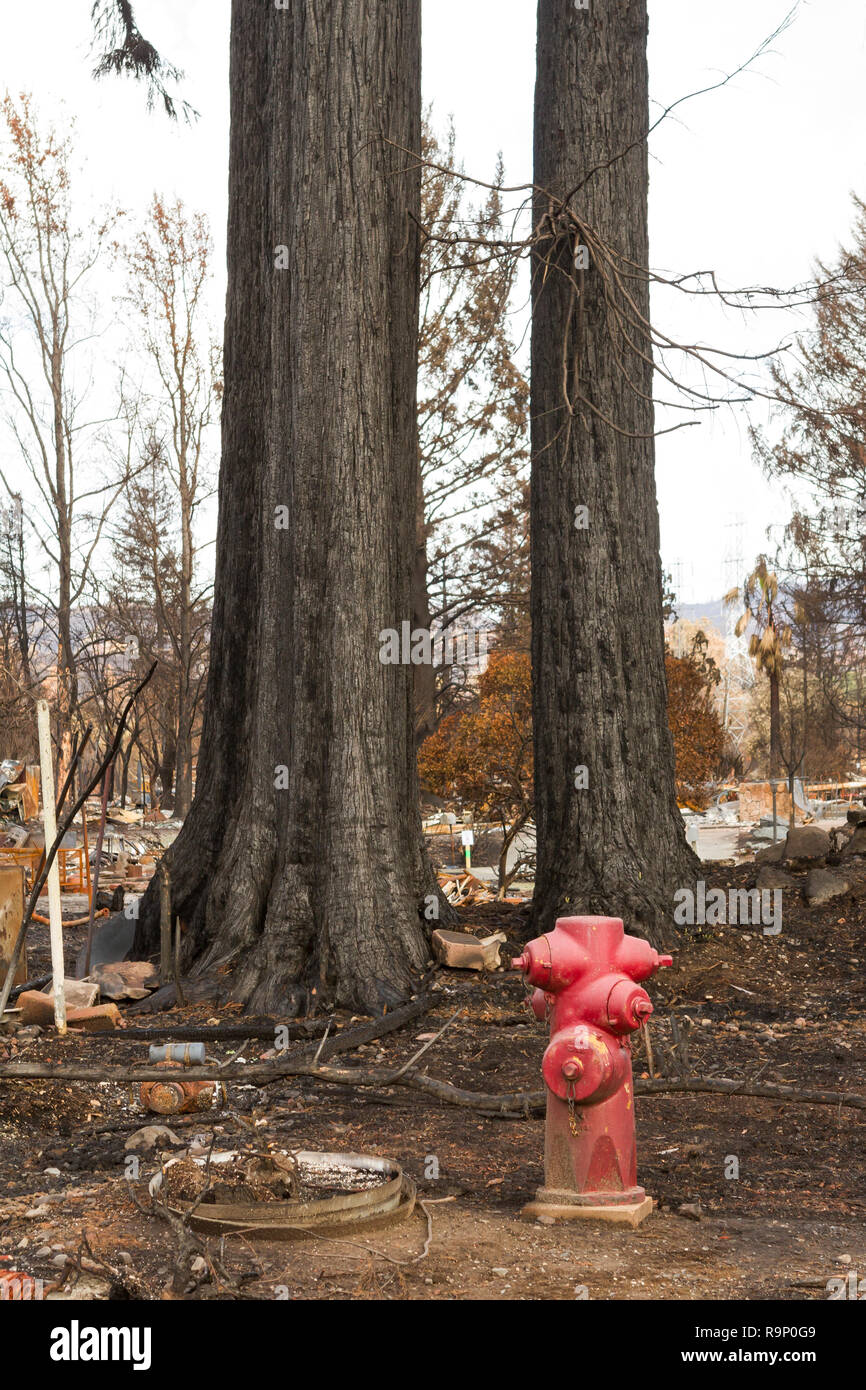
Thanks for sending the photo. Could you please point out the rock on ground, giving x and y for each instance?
(857, 843)
(823, 885)
(807, 845)
(771, 877)
(773, 854)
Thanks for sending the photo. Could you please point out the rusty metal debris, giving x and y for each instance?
(177, 1095)
(11, 912)
(19, 789)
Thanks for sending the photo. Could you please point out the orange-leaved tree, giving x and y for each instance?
(699, 739)
(482, 756)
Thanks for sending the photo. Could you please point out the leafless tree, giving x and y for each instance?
(169, 265)
(47, 257)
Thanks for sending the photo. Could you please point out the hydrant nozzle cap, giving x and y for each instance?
(520, 962)
(666, 960)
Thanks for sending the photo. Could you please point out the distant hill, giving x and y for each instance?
(713, 611)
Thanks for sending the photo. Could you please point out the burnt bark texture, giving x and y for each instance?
(301, 864)
(424, 675)
(617, 844)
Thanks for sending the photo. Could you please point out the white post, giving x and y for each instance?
(50, 823)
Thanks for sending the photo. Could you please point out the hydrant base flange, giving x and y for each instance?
(621, 1213)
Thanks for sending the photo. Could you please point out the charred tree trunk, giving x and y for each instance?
(17, 576)
(424, 675)
(167, 765)
(775, 726)
(182, 771)
(67, 682)
(610, 837)
(185, 696)
(125, 758)
(301, 862)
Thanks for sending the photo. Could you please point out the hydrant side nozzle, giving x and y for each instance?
(642, 1010)
(665, 960)
(520, 962)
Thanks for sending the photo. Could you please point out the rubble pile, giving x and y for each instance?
(827, 864)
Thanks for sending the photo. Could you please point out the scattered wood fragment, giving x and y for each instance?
(38, 983)
(38, 1008)
(463, 888)
(463, 951)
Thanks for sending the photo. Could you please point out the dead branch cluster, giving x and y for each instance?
(505, 1105)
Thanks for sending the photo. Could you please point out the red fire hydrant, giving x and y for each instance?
(585, 974)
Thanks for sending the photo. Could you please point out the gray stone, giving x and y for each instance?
(857, 815)
(765, 832)
(773, 854)
(149, 1137)
(807, 845)
(857, 843)
(771, 877)
(823, 885)
(692, 1210)
(839, 837)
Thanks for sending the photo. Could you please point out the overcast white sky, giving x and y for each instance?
(753, 180)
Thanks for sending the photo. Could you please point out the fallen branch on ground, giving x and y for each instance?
(223, 1032)
(518, 1103)
(189, 1245)
(121, 1278)
(343, 1041)
(765, 1090)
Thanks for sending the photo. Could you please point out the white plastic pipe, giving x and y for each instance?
(49, 821)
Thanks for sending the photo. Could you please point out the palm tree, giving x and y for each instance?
(767, 643)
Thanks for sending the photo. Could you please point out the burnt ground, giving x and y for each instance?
(789, 1008)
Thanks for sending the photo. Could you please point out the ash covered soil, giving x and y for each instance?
(783, 1009)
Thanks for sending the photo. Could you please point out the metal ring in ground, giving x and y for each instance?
(389, 1201)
